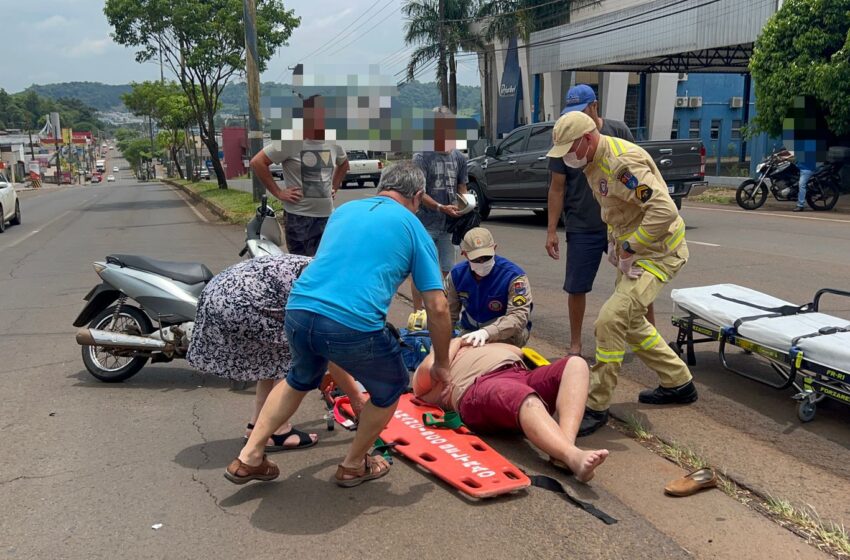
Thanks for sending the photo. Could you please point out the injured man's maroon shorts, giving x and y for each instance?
(491, 403)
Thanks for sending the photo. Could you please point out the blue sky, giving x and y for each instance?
(68, 40)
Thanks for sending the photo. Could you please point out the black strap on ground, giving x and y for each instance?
(552, 485)
(783, 310)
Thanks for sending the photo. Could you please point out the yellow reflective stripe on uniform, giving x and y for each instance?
(643, 236)
(652, 269)
(620, 145)
(604, 167)
(610, 356)
(616, 147)
(651, 341)
(624, 237)
(676, 238)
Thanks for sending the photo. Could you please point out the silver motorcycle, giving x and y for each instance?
(138, 292)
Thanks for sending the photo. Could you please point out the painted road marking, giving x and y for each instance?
(702, 243)
(189, 204)
(48, 224)
(776, 214)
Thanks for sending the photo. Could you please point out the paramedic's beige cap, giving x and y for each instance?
(478, 242)
(569, 128)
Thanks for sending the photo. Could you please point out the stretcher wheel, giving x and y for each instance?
(806, 411)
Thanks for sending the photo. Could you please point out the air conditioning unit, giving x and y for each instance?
(736, 102)
(683, 76)
(681, 102)
(695, 102)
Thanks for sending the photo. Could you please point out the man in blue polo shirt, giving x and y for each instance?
(489, 295)
(337, 313)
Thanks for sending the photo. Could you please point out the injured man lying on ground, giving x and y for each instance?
(493, 391)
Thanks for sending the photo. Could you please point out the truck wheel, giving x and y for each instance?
(480, 199)
(678, 202)
(360, 183)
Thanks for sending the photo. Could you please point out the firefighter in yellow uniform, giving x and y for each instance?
(646, 242)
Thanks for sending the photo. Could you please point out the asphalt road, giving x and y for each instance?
(88, 468)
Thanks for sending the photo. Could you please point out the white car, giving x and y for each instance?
(10, 207)
(110, 179)
(115, 169)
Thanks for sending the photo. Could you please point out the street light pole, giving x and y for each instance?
(252, 72)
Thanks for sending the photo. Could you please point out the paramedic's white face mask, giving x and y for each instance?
(572, 160)
(483, 269)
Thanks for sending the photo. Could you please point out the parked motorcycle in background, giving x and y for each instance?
(779, 175)
(121, 338)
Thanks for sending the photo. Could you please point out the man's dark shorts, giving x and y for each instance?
(303, 234)
(372, 358)
(492, 402)
(584, 252)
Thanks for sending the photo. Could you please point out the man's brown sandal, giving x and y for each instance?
(238, 472)
(373, 467)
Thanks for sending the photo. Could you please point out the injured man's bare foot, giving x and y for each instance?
(583, 463)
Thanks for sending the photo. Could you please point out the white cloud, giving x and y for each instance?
(321, 23)
(88, 47)
(53, 22)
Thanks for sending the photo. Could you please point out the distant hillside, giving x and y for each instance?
(102, 97)
(234, 99)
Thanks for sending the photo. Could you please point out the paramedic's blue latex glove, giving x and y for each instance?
(627, 267)
(475, 338)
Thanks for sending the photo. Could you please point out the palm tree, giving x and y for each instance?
(520, 18)
(440, 28)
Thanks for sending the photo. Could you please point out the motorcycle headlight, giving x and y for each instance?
(759, 167)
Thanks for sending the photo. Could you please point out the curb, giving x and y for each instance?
(219, 212)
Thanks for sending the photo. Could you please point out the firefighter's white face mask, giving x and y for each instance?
(572, 160)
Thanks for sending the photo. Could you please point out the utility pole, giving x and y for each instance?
(252, 72)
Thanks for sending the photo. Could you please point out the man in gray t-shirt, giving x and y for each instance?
(313, 170)
(445, 177)
(587, 234)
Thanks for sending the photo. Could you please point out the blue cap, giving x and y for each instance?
(579, 97)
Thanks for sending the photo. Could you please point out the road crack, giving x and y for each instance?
(196, 422)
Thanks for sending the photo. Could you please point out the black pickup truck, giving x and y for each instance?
(514, 173)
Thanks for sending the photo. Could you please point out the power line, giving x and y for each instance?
(347, 31)
(586, 32)
(345, 46)
(349, 28)
(501, 14)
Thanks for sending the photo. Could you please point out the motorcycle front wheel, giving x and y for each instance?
(821, 195)
(750, 195)
(102, 362)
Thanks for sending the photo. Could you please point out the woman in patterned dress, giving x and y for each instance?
(239, 333)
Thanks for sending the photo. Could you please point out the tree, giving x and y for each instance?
(166, 105)
(506, 19)
(804, 49)
(203, 43)
(440, 37)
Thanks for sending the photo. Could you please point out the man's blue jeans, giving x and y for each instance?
(372, 358)
(805, 175)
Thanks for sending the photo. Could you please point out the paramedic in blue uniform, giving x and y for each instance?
(488, 294)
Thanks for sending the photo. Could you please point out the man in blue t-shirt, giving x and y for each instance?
(337, 313)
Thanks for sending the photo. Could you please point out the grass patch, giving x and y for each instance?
(238, 205)
(715, 195)
(825, 535)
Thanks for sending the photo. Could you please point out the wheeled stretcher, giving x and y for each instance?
(807, 349)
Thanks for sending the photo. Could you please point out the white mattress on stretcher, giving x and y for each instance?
(829, 350)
